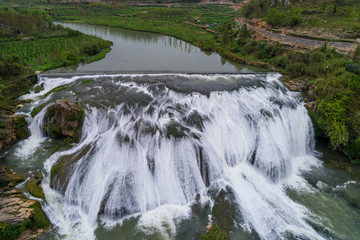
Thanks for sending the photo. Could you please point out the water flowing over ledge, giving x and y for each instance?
(153, 146)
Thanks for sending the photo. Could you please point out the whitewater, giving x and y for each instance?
(155, 145)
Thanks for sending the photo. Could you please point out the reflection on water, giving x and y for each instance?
(142, 51)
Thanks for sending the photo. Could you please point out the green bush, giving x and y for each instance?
(281, 62)
(256, 8)
(9, 232)
(10, 65)
(278, 17)
(213, 233)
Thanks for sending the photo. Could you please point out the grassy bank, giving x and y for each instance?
(334, 18)
(29, 42)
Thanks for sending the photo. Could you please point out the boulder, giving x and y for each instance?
(12, 129)
(33, 185)
(64, 119)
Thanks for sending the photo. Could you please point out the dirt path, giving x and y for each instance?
(202, 26)
(300, 42)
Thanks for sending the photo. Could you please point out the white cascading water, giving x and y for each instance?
(148, 148)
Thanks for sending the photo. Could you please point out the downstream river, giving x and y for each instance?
(176, 139)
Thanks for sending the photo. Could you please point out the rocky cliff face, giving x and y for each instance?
(64, 120)
(20, 217)
(12, 129)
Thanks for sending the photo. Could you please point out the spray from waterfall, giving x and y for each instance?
(153, 144)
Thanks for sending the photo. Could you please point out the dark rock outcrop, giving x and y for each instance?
(64, 168)
(12, 129)
(33, 185)
(64, 120)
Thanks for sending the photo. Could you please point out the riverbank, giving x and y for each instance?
(315, 72)
(28, 49)
(29, 44)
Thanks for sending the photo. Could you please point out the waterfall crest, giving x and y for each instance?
(151, 141)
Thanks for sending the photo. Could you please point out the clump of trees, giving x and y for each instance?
(276, 13)
(14, 22)
(278, 17)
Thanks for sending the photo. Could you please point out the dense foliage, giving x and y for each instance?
(14, 22)
(276, 13)
(9, 232)
(213, 233)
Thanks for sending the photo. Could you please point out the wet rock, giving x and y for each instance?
(64, 119)
(224, 211)
(296, 85)
(33, 185)
(62, 171)
(7, 178)
(311, 106)
(37, 89)
(12, 129)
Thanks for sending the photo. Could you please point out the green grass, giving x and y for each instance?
(46, 53)
(346, 17)
(343, 22)
(39, 47)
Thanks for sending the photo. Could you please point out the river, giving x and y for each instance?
(175, 139)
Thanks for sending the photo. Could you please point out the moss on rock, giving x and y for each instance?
(64, 119)
(39, 219)
(33, 186)
(9, 232)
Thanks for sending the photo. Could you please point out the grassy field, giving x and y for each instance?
(339, 18)
(345, 21)
(30, 42)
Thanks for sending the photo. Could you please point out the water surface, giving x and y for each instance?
(150, 52)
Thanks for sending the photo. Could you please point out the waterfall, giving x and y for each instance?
(152, 144)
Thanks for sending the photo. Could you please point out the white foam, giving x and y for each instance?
(136, 168)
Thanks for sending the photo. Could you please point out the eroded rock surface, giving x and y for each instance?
(20, 217)
(64, 120)
(12, 128)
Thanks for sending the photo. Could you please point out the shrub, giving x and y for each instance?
(294, 16)
(256, 8)
(281, 62)
(278, 17)
(213, 233)
(8, 232)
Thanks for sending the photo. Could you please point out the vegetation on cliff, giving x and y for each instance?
(17, 212)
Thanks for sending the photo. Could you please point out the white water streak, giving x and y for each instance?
(247, 141)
